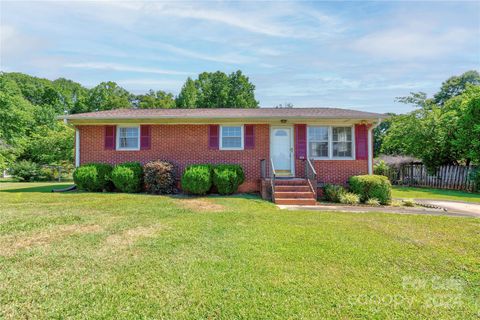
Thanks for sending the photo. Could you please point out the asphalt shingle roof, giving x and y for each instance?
(219, 113)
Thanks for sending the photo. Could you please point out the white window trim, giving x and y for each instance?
(330, 143)
(241, 137)
(117, 147)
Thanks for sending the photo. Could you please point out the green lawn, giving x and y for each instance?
(427, 193)
(87, 255)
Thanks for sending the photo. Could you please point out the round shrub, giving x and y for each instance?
(371, 186)
(128, 177)
(332, 192)
(349, 198)
(93, 177)
(25, 170)
(227, 178)
(159, 177)
(197, 179)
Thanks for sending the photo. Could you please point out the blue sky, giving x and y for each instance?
(358, 55)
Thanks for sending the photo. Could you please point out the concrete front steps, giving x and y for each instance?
(294, 191)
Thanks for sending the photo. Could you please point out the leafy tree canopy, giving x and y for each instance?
(218, 90)
(155, 100)
(455, 86)
(443, 130)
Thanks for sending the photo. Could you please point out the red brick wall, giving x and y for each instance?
(181, 144)
(188, 144)
(334, 171)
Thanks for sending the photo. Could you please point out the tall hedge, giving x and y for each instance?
(94, 177)
(371, 186)
(128, 177)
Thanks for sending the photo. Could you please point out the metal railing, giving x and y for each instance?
(272, 178)
(311, 176)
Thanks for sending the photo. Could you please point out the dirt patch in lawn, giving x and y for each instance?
(130, 236)
(201, 205)
(13, 243)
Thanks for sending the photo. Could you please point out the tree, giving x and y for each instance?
(52, 146)
(442, 130)
(242, 92)
(379, 134)
(217, 90)
(188, 95)
(16, 113)
(455, 85)
(155, 100)
(213, 90)
(467, 133)
(107, 96)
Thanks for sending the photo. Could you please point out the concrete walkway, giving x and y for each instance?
(442, 207)
(468, 208)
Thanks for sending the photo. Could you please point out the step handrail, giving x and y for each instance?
(273, 175)
(311, 176)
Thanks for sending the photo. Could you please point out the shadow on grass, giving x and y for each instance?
(40, 189)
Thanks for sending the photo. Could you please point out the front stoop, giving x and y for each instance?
(294, 191)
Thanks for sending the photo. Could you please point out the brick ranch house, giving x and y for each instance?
(336, 143)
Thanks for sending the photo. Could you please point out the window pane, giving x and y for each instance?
(318, 133)
(128, 138)
(342, 149)
(231, 137)
(231, 131)
(231, 142)
(318, 149)
(342, 134)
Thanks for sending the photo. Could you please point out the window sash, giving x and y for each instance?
(231, 137)
(128, 138)
(336, 142)
(318, 145)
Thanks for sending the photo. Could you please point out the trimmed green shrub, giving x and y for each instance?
(128, 177)
(227, 178)
(373, 202)
(371, 186)
(160, 177)
(197, 179)
(25, 170)
(332, 192)
(93, 177)
(349, 198)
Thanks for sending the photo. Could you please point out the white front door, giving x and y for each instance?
(282, 150)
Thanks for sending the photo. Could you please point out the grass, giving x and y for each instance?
(438, 194)
(87, 255)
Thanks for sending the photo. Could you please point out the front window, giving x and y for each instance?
(342, 142)
(231, 137)
(128, 138)
(318, 142)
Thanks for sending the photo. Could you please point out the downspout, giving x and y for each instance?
(370, 145)
(77, 147)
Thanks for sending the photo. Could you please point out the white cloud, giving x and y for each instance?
(412, 43)
(123, 67)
